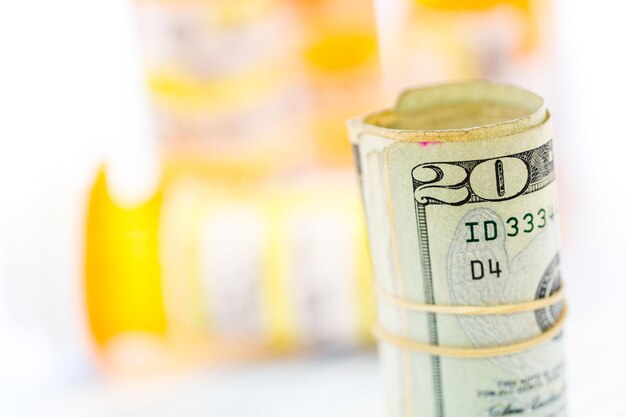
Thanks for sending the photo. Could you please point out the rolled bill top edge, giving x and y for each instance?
(463, 111)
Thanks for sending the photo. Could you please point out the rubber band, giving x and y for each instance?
(532, 305)
(504, 309)
(438, 350)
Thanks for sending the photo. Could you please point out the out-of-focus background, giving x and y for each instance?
(180, 224)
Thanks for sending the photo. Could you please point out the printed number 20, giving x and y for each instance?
(492, 180)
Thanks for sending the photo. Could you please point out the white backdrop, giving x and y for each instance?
(70, 94)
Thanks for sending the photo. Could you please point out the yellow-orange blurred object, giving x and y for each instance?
(472, 4)
(341, 56)
(338, 52)
(531, 10)
(122, 271)
(263, 94)
(432, 41)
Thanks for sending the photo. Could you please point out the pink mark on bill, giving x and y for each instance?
(424, 144)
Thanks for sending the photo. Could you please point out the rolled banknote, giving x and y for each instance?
(459, 192)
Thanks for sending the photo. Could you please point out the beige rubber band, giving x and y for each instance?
(532, 305)
(437, 350)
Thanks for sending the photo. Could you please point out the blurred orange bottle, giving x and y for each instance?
(527, 7)
(432, 41)
(122, 272)
(341, 59)
(228, 259)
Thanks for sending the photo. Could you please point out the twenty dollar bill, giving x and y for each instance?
(460, 197)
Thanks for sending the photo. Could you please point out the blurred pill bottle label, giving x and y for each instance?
(286, 270)
(430, 41)
(255, 135)
(322, 250)
(225, 83)
(212, 39)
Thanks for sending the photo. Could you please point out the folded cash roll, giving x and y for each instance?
(459, 192)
